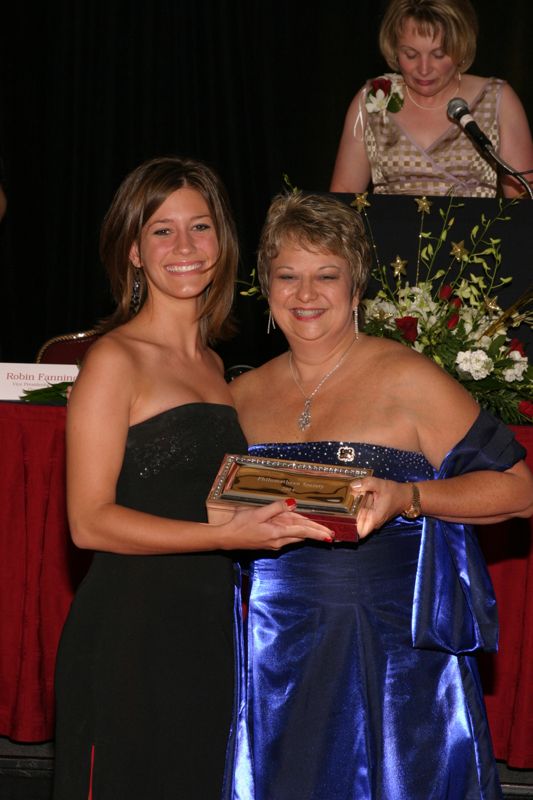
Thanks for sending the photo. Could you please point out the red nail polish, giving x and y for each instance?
(291, 504)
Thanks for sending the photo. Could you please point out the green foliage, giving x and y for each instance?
(55, 394)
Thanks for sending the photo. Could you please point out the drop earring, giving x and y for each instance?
(356, 321)
(271, 322)
(135, 300)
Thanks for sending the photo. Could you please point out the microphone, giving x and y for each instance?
(459, 112)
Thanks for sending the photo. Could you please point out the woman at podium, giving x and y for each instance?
(399, 135)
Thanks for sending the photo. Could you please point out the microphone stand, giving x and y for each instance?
(509, 170)
(459, 113)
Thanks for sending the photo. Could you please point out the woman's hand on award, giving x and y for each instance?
(271, 527)
(381, 501)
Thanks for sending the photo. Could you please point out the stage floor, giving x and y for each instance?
(26, 772)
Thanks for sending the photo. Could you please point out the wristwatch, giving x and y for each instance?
(415, 509)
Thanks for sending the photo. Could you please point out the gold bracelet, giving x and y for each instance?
(415, 509)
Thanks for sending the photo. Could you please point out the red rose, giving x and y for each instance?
(456, 302)
(408, 327)
(446, 292)
(516, 344)
(381, 83)
(526, 407)
(452, 321)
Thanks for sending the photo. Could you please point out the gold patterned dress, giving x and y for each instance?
(450, 165)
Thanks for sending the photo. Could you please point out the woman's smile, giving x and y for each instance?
(185, 268)
(307, 313)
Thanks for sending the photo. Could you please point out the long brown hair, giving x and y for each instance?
(139, 195)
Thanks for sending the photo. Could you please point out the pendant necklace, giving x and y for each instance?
(431, 108)
(304, 420)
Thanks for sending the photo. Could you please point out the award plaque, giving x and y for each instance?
(322, 491)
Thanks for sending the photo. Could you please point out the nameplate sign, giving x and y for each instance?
(16, 378)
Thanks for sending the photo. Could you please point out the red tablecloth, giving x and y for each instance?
(40, 569)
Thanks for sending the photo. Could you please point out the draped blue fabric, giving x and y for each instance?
(334, 700)
(454, 604)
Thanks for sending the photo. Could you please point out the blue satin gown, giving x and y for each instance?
(359, 680)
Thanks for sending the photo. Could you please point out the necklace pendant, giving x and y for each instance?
(304, 420)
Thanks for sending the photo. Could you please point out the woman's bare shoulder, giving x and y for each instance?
(469, 81)
(391, 350)
(427, 392)
(109, 351)
(473, 86)
(255, 380)
(415, 373)
(108, 370)
(357, 102)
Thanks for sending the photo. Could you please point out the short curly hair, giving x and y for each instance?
(320, 222)
(456, 19)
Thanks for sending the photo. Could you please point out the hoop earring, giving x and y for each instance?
(271, 322)
(135, 300)
(356, 321)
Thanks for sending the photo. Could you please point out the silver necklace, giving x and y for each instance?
(430, 108)
(304, 420)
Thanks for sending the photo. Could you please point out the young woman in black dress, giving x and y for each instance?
(145, 666)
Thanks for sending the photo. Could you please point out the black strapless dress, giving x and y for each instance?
(145, 669)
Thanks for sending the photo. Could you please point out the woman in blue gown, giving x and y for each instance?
(360, 681)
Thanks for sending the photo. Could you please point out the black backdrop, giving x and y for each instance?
(257, 88)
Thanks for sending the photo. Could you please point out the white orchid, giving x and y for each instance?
(377, 102)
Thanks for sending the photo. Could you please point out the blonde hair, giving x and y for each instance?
(320, 222)
(455, 19)
(137, 198)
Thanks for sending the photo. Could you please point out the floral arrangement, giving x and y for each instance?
(450, 313)
(385, 94)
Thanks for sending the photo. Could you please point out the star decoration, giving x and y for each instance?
(398, 265)
(360, 201)
(491, 304)
(383, 316)
(424, 205)
(459, 251)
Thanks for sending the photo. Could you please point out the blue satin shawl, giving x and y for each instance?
(454, 604)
